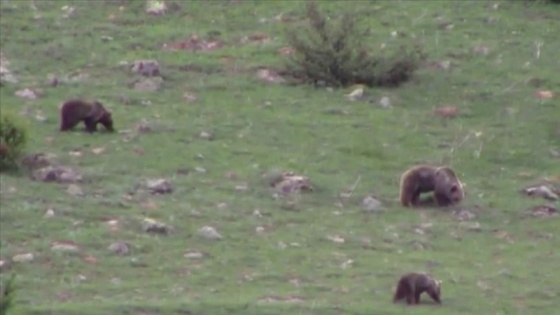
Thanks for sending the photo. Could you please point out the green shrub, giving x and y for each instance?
(7, 295)
(13, 137)
(337, 56)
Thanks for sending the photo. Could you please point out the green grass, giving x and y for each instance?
(260, 127)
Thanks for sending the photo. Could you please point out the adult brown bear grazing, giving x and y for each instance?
(442, 181)
(74, 111)
(412, 285)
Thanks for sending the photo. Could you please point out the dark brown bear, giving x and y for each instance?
(72, 112)
(442, 181)
(412, 285)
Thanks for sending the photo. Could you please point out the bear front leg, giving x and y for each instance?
(91, 125)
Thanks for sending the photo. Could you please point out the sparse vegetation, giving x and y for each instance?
(336, 54)
(7, 295)
(13, 138)
(87, 240)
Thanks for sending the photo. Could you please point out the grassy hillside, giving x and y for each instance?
(315, 253)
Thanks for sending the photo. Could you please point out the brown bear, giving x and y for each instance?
(74, 111)
(442, 181)
(412, 285)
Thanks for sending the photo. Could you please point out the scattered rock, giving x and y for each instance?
(65, 246)
(36, 161)
(281, 299)
(209, 232)
(200, 169)
(98, 151)
(385, 102)
(446, 26)
(289, 182)
(144, 127)
(206, 135)
(156, 7)
(120, 248)
(463, 215)
(258, 38)
(195, 43)
(189, 97)
(57, 174)
(5, 73)
(153, 226)
(471, 226)
(444, 65)
(146, 67)
(481, 50)
(159, 186)
(541, 191)
(544, 211)
(544, 95)
(447, 111)
(28, 257)
(286, 51)
(270, 76)
(75, 190)
(356, 94)
(27, 94)
(148, 84)
(336, 239)
(194, 255)
(49, 214)
(370, 204)
(4, 264)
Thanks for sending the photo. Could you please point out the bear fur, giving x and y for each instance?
(412, 285)
(442, 181)
(91, 113)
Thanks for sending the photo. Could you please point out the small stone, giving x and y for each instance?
(119, 248)
(259, 229)
(200, 169)
(156, 7)
(23, 257)
(371, 204)
(447, 111)
(472, 226)
(189, 97)
(56, 174)
(153, 226)
(148, 84)
(159, 186)
(194, 255)
(209, 232)
(49, 214)
(75, 190)
(146, 67)
(541, 191)
(65, 246)
(464, 214)
(336, 239)
(385, 102)
(445, 65)
(4, 264)
(27, 94)
(481, 50)
(206, 135)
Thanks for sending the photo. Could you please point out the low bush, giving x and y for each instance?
(336, 56)
(7, 295)
(13, 138)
